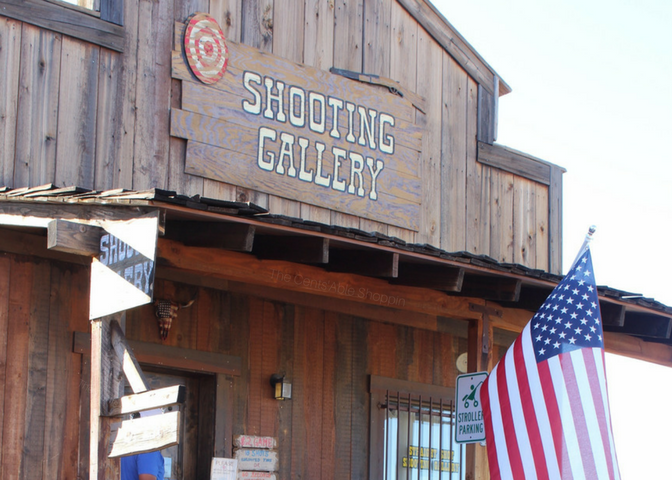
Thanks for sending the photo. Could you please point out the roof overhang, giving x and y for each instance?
(242, 233)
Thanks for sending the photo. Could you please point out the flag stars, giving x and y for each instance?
(570, 316)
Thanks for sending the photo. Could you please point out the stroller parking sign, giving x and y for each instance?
(469, 423)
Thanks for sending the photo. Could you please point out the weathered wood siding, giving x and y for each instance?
(327, 356)
(73, 112)
(41, 380)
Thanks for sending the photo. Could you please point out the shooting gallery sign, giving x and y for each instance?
(302, 133)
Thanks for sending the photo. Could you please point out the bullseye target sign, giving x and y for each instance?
(205, 48)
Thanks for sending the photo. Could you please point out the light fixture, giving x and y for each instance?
(282, 389)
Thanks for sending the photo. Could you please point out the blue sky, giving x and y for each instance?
(591, 93)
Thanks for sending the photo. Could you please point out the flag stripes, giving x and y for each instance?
(545, 404)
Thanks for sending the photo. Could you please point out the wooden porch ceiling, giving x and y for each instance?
(246, 228)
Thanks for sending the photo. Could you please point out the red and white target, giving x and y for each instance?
(205, 48)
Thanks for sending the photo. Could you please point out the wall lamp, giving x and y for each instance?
(282, 389)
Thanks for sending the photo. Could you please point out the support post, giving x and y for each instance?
(106, 383)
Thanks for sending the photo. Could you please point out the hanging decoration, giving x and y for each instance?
(205, 48)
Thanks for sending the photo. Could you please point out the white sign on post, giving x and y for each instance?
(122, 275)
(469, 424)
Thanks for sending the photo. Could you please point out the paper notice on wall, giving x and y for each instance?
(223, 468)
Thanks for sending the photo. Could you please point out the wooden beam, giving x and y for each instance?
(146, 434)
(238, 237)
(244, 268)
(515, 162)
(75, 238)
(622, 344)
(34, 214)
(555, 221)
(486, 116)
(134, 375)
(21, 243)
(151, 399)
(438, 277)
(340, 305)
(173, 357)
(491, 287)
(370, 263)
(292, 248)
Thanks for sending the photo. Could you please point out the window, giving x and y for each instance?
(92, 5)
(412, 433)
(100, 28)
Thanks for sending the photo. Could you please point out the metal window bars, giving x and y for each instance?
(419, 437)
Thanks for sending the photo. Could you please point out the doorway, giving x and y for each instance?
(191, 458)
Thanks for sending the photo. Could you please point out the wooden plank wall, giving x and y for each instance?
(100, 119)
(41, 304)
(328, 357)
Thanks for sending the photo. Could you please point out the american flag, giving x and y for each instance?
(545, 403)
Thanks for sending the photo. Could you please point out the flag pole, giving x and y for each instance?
(586, 244)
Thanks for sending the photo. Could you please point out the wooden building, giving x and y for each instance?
(325, 187)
